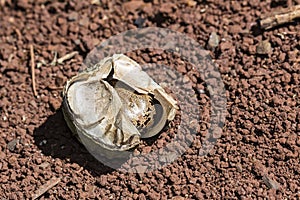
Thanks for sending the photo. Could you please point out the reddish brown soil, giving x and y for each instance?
(257, 155)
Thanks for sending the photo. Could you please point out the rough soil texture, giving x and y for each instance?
(258, 153)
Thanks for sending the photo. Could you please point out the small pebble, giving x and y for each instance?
(12, 144)
(213, 41)
(264, 47)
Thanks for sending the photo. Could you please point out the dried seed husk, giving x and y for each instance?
(113, 104)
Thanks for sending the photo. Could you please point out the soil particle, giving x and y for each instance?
(55, 103)
(132, 6)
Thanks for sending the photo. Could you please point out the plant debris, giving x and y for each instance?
(280, 17)
(44, 188)
(272, 184)
(33, 70)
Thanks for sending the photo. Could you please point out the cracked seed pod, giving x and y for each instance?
(113, 104)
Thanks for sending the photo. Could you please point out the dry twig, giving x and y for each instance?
(54, 61)
(280, 17)
(33, 70)
(44, 188)
(62, 59)
(66, 57)
(18, 33)
(271, 184)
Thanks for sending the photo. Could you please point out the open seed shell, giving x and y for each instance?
(113, 104)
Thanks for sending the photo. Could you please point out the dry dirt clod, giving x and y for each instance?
(73, 16)
(55, 103)
(132, 6)
(178, 198)
(44, 165)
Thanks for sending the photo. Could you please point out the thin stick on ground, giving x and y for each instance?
(280, 17)
(18, 33)
(67, 57)
(33, 70)
(44, 188)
